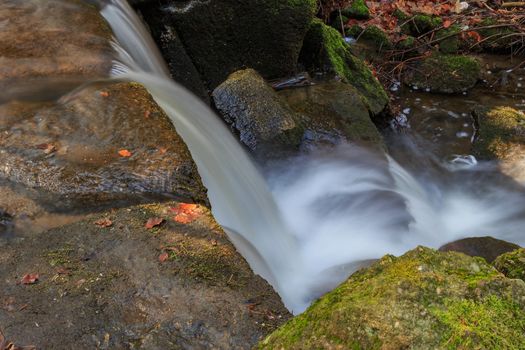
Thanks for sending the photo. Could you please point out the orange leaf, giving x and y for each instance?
(163, 257)
(186, 213)
(105, 222)
(124, 153)
(30, 278)
(447, 23)
(154, 222)
(104, 94)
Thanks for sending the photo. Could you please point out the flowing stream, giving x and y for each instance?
(319, 217)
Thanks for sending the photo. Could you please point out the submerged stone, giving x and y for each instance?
(422, 300)
(223, 36)
(448, 74)
(324, 49)
(71, 152)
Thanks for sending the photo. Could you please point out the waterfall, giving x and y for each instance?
(326, 214)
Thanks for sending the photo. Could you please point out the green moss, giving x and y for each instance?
(325, 49)
(496, 39)
(422, 24)
(407, 43)
(445, 73)
(357, 9)
(60, 257)
(422, 300)
(477, 324)
(336, 23)
(376, 37)
(500, 130)
(512, 264)
(450, 43)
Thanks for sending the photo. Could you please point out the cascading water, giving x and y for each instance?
(329, 213)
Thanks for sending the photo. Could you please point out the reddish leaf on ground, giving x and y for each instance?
(147, 114)
(163, 150)
(447, 23)
(30, 278)
(186, 213)
(104, 94)
(154, 222)
(105, 222)
(163, 257)
(124, 153)
(48, 148)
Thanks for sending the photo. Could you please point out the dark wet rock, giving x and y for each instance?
(6, 221)
(42, 43)
(106, 287)
(332, 112)
(447, 74)
(254, 111)
(325, 50)
(70, 149)
(372, 36)
(422, 300)
(512, 264)
(223, 36)
(488, 248)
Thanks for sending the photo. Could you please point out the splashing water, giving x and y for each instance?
(329, 214)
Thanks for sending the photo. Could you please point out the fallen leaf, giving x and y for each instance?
(48, 148)
(163, 150)
(163, 257)
(104, 94)
(30, 278)
(147, 114)
(447, 23)
(105, 222)
(124, 153)
(186, 213)
(153, 222)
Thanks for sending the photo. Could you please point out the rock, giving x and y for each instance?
(324, 49)
(357, 10)
(372, 36)
(498, 38)
(422, 300)
(500, 133)
(69, 151)
(332, 112)
(512, 264)
(254, 111)
(40, 57)
(223, 36)
(105, 287)
(486, 247)
(500, 136)
(421, 24)
(450, 42)
(446, 74)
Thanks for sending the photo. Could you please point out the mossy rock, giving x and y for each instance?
(512, 264)
(357, 10)
(406, 43)
(372, 35)
(324, 49)
(447, 74)
(501, 132)
(450, 43)
(338, 22)
(421, 24)
(422, 300)
(499, 39)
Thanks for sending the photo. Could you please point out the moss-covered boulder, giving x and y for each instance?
(501, 133)
(512, 264)
(488, 248)
(444, 74)
(497, 37)
(422, 300)
(357, 10)
(371, 35)
(332, 112)
(223, 36)
(421, 24)
(324, 49)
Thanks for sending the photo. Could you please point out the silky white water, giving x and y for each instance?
(326, 214)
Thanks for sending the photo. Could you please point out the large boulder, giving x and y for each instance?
(325, 50)
(512, 264)
(75, 149)
(223, 36)
(448, 74)
(255, 112)
(422, 300)
(120, 285)
(331, 113)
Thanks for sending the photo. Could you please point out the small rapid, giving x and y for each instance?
(319, 217)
